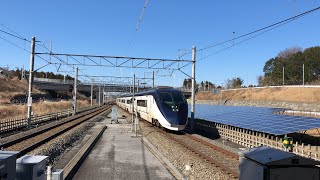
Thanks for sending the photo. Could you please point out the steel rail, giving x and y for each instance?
(231, 154)
(81, 118)
(28, 135)
(7, 126)
(47, 139)
(204, 156)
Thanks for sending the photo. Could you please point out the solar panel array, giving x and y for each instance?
(256, 118)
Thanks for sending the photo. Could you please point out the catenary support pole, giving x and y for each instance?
(103, 95)
(132, 101)
(283, 76)
(29, 115)
(193, 86)
(303, 74)
(22, 69)
(152, 79)
(75, 92)
(91, 97)
(138, 86)
(99, 95)
(144, 80)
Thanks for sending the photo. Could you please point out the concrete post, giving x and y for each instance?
(152, 79)
(99, 95)
(133, 87)
(283, 76)
(75, 92)
(22, 72)
(29, 115)
(193, 86)
(91, 97)
(103, 95)
(303, 74)
(138, 86)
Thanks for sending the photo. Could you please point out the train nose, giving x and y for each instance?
(181, 114)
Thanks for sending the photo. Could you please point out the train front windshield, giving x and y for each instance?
(172, 98)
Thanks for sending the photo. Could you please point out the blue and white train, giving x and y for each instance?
(162, 106)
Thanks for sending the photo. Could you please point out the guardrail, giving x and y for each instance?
(57, 81)
(7, 125)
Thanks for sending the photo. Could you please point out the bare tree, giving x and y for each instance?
(287, 53)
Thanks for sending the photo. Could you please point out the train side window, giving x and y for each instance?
(142, 103)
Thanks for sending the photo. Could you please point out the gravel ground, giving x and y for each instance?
(221, 143)
(56, 147)
(180, 157)
(218, 156)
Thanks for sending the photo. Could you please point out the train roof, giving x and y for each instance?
(152, 91)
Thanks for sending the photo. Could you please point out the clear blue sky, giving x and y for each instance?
(106, 27)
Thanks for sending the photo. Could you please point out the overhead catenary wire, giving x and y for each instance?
(10, 34)
(39, 46)
(264, 28)
(247, 39)
(19, 47)
(17, 35)
(138, 23)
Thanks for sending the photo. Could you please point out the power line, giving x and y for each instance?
(14, 35)
(140, 18)
(138, 23)
(14, 44)
(14, 32)
(247, 39)
(264, 28)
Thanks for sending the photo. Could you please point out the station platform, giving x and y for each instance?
(118, 154)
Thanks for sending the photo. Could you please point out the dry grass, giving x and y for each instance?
(13, 87)
(269, 94)
(39, 108)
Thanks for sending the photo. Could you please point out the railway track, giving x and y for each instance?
(225, 160)
(217, 156)
(13, 126)
(28, 141)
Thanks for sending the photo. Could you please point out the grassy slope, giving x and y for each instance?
(11, 87)
(269, 94)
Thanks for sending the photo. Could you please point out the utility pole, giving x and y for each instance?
(91, 97)
(75, 92)
(99, 95)
(303, 74)
(132, 101)
(29, 115)
(283, 76)
(152, 79)
(103, 95)
(22, 70)
(144, 80)
(138, 86)
(193, 86)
